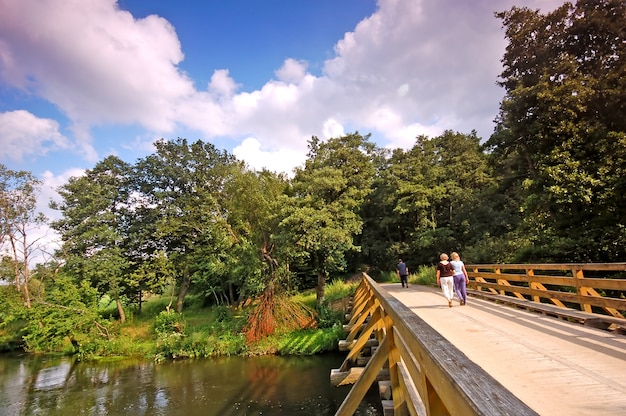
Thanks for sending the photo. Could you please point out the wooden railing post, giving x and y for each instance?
(581, 290)
(498, 271)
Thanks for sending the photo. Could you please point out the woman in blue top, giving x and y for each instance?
(460, 277)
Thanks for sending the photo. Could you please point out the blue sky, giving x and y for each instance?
(84, 79)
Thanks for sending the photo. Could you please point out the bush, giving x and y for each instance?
(426, 275)
(327, 318)
(169, 323)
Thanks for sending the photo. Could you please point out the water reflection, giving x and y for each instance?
(226, 386)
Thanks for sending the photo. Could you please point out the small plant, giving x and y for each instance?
(327, 318)
(168, 322)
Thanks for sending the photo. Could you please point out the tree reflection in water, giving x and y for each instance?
(225, 386)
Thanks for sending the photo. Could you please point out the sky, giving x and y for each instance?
(84, 79)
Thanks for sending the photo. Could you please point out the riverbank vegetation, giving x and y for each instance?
(188, 253)
(158, 333)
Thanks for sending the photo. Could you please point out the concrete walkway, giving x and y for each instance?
(554, 366)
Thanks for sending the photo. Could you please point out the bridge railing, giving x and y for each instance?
(428, 375)
(593, 288)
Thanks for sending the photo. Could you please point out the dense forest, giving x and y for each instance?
(548, 186)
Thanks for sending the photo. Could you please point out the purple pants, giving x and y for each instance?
(460, 287)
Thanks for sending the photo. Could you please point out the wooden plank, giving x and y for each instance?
(363, 383)
(602, 302)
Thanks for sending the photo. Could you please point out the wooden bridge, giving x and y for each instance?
(532, 339)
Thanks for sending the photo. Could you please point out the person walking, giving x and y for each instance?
(461, 278)
(445, 277)
(402, 270)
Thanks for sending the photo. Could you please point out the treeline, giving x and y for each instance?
(548, 186)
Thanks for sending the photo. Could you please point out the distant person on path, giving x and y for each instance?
(460, 277)
(402, 270)
(445, 277)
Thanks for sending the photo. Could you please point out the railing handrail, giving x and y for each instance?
(618, 266)
(558, 289)
(429, 375)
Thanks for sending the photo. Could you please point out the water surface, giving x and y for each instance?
(214, 387)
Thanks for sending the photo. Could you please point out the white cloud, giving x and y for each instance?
(292, 71)
(282, 160)
(21, 134)
(412, 66)
(222, 85)
(93, 60)
(332, 128)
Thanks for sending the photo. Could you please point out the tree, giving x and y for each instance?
(561, 138)
(181, 187)
(96, 211)
(321, 216)
(252, 206)
(426, 198)
(18, 218)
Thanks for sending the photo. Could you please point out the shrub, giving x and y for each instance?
(426, 275)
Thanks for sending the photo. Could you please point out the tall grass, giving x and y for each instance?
(426, 275)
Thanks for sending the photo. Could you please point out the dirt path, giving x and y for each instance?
(554, 366)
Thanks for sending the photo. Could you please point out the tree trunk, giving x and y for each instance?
(184, 287)
(120, 309)
(231, 293)
(16, 266)
(321, 286)
(26, 271)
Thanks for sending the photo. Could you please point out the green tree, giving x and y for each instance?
(181, 189)
(252, 209)
(561, 139)
(68, 313)
(95, 211)
(427, 199)
(320, 219)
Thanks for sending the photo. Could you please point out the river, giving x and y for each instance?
(228, 386)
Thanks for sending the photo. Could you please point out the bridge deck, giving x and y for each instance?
(554, 366)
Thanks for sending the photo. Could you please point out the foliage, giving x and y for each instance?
(68, 315)
(427, 197)
(310, 341)
(340, 288)
(561, 140)
(18, 219)
(320, 218)
(425, 275)
(169, 322)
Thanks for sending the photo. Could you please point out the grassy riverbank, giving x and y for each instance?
(201, 331)
(198, 332)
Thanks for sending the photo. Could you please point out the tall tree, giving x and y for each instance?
(252, 208)
(93, 228)
(561, 139)
(321, 217)
(182, 185)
